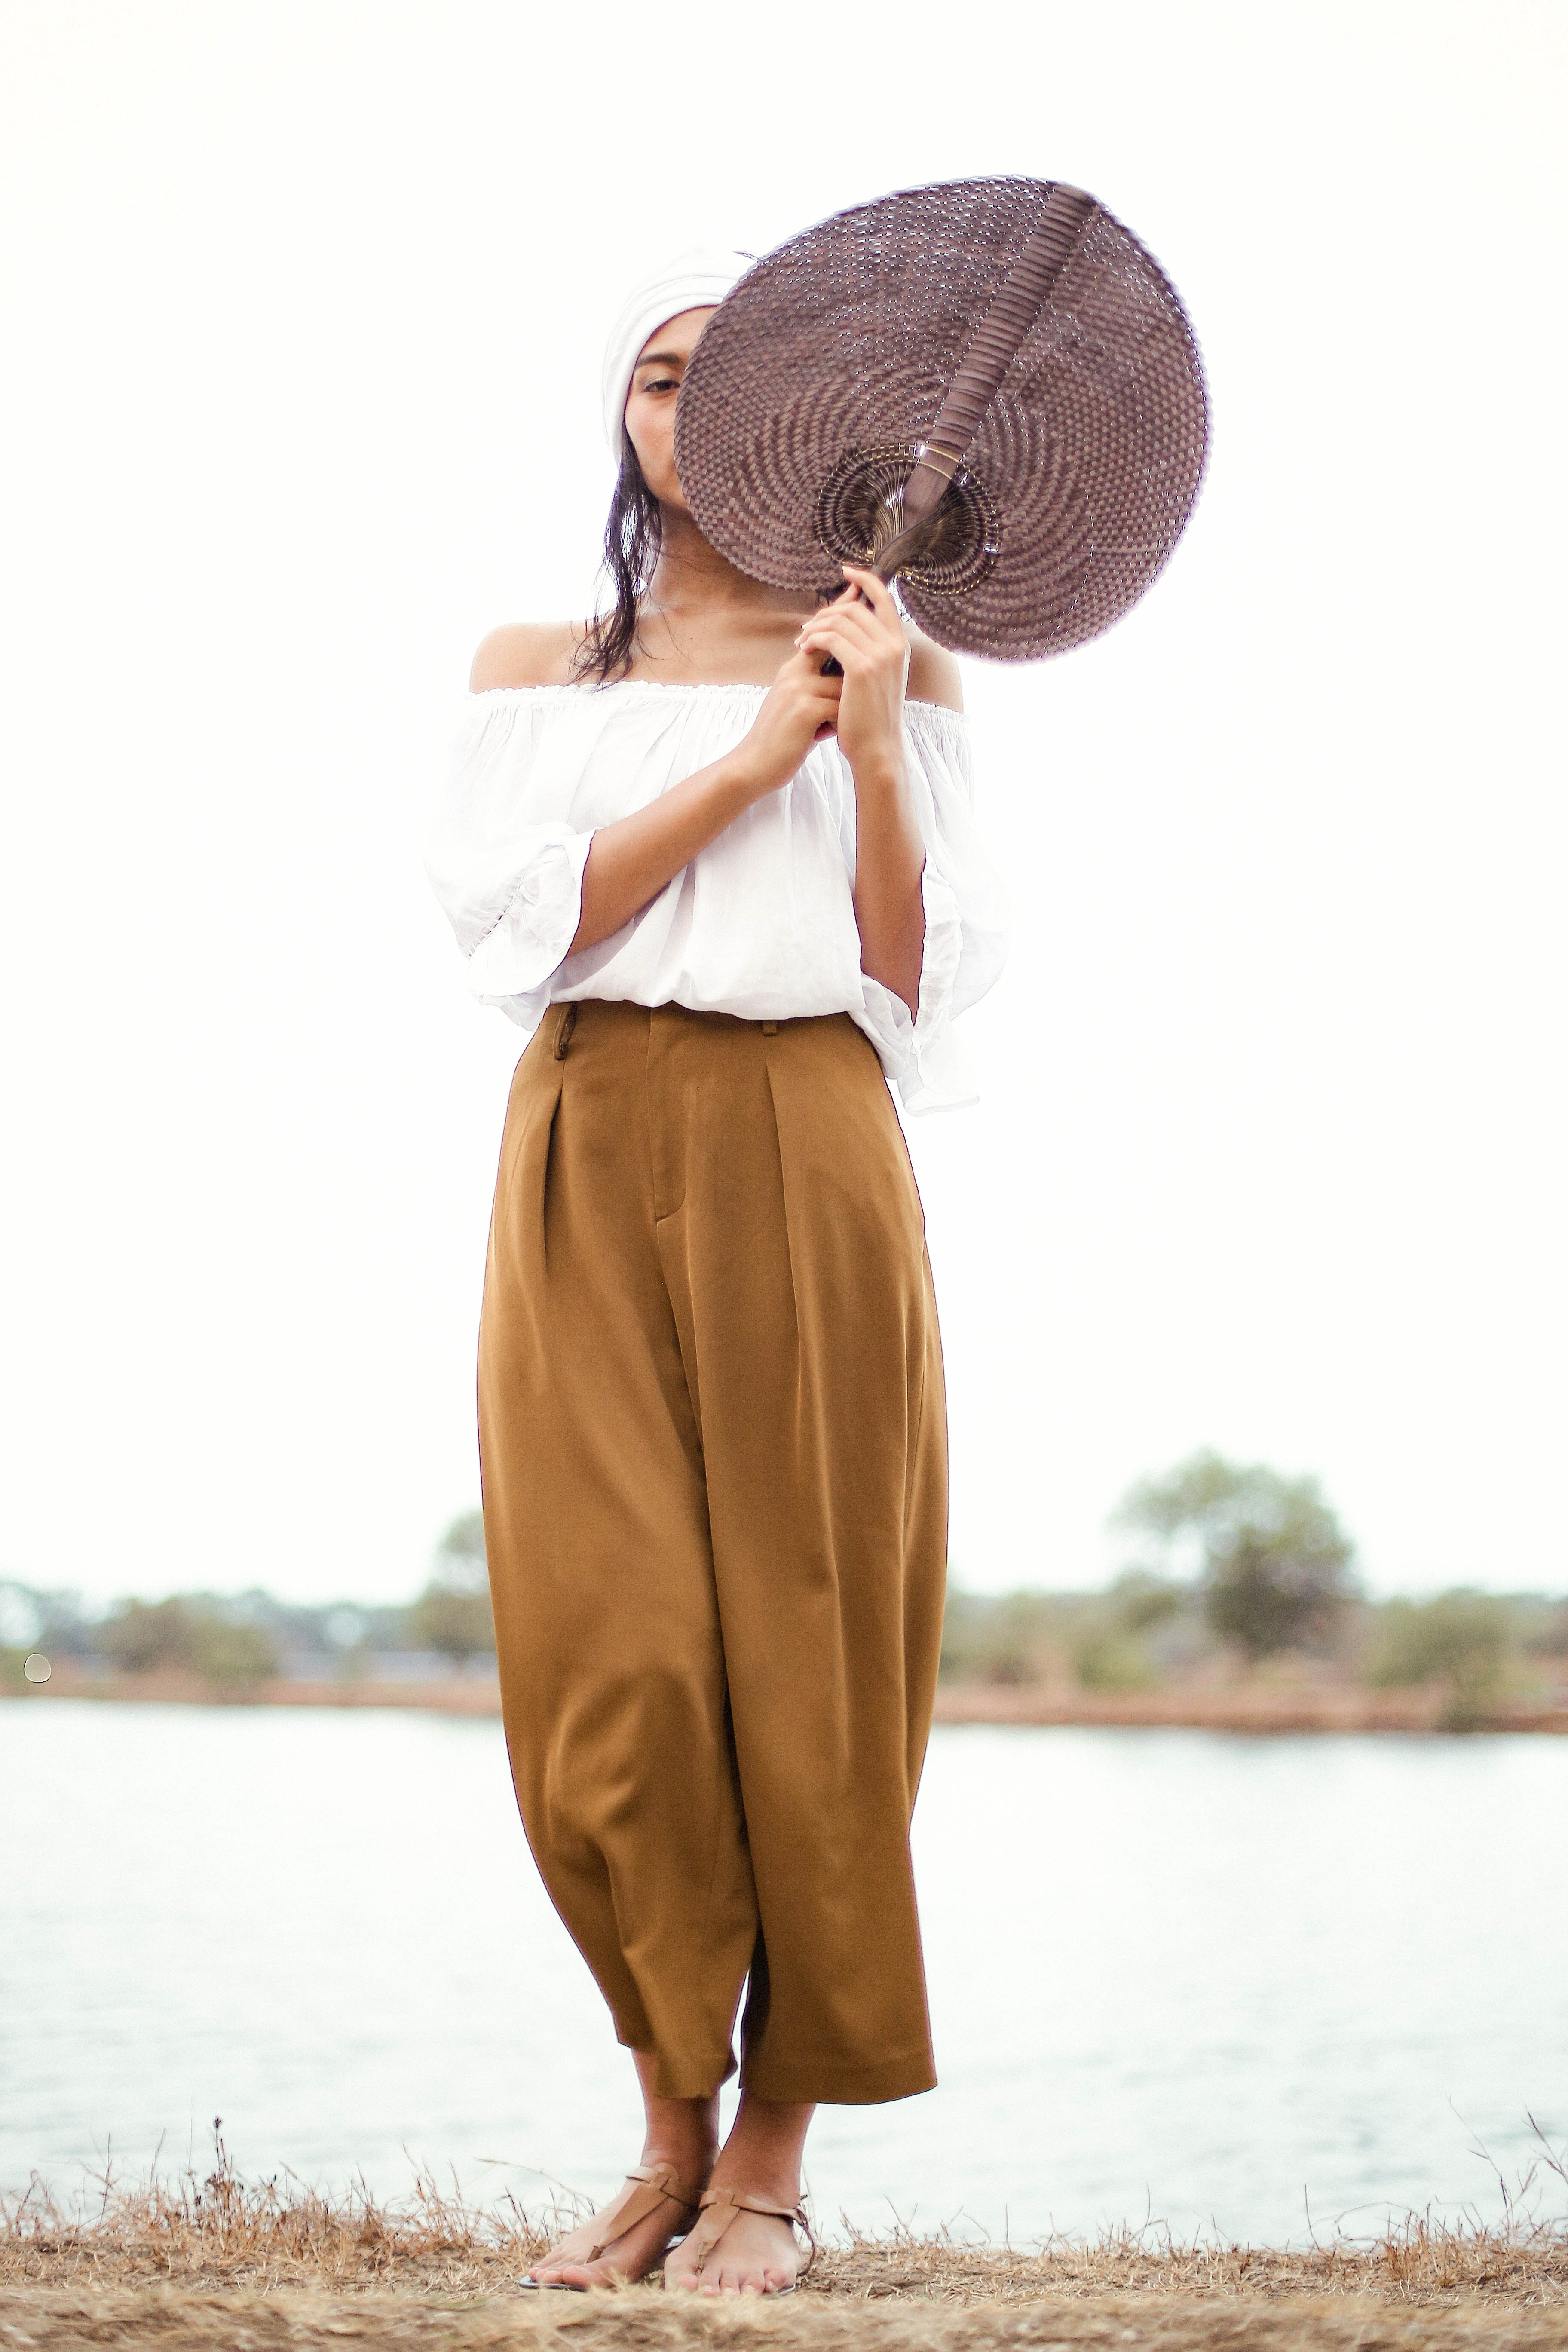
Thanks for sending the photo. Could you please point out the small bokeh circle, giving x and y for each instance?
(36, 1668)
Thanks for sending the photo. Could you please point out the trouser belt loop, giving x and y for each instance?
(563, 1033)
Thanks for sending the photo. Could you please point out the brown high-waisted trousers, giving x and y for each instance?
(714, 1449)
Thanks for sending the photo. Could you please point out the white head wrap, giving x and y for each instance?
(692, 281)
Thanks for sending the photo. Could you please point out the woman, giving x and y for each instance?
(728, 893)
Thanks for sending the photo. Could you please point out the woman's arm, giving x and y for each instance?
(631, 860)
(889, 855)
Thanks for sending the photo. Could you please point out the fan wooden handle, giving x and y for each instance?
(994, 346)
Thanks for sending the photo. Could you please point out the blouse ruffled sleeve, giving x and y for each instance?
(505, 860)
(966, 920)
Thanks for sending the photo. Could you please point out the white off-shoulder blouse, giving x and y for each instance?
(760, 924)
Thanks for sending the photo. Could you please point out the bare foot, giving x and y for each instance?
(731, 2250)
(758, 2254)
(633, 2231)
(631, 2254)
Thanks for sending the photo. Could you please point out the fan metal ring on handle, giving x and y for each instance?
(841, 346)
(861, 507)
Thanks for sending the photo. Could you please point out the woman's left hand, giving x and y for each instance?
(868, 640)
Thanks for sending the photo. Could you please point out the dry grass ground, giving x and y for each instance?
(221, 2263)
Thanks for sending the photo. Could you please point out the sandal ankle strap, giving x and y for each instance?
(667, 2181)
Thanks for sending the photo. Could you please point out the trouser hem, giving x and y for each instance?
(840, 2086)
(685, 2077)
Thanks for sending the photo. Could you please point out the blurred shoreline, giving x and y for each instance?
(1273, 1635)
(1254, 1704)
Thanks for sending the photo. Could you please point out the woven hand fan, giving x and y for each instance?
(988, 391)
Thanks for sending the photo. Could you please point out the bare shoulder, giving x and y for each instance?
(933, 674)
(525, 653)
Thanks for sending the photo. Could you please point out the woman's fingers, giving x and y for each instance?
(874, 589)
(804, 669)
(851, 637)
(873, 619)
(859, 618)
(817, 688)
(819, 695)
(802, 654)
(845, 650)
(878, 597)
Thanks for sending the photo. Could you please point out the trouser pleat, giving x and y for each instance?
(713, 1445)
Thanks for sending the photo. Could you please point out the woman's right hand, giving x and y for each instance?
(801, 708)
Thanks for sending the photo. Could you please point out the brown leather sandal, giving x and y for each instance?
(647, 2186)
(705, 2234)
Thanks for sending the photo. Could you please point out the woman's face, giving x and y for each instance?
(650, 404)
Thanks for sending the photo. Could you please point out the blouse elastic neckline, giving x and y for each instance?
(670, 685)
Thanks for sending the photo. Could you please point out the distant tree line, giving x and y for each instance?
(236, 1641)
(1256, 1564)
(1241, 1562)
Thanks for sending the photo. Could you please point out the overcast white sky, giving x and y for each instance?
(303, 307)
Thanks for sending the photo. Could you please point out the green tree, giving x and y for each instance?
(1140, 1601)
(1460, 1638)
(1111, 1652)
(231, 1655)
(1106, 1659)
(141, 1635)
(453, 1612)
(460, 1554)
(1276, 1564)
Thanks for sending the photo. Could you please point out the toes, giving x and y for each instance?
(748, 2274)
(741, 2278)
(571, 2272)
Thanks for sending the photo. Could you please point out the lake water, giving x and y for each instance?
(1193, 1977)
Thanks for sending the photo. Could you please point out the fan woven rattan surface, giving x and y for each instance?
(893, 332)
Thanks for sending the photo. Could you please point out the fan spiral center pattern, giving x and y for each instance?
(861, 507)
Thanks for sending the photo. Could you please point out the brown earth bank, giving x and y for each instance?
(1246, 1707)
(1256, 1705)
(186, 2319)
